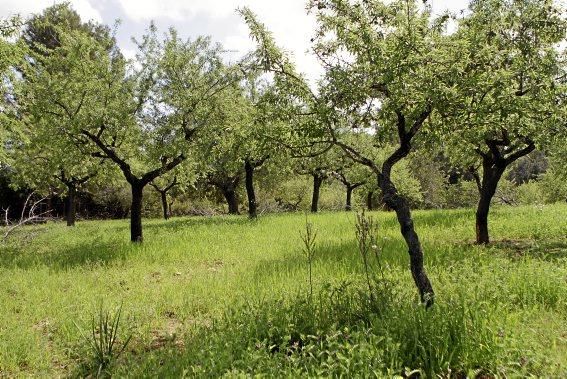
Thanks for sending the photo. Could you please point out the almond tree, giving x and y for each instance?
(143, 116)
(512, 91)
(48, 163)
(388, 67)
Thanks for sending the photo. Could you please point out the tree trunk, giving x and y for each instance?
(252, 206)
(490, 177)
(136, 213)
(164, 205)
(348, 205)
(231, 200)
(369, 204)
(70, 205)
(400, 205)
(317, 181)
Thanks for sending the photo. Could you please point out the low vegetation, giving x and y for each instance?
(231, 296)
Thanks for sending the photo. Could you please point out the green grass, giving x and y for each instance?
(229, 296)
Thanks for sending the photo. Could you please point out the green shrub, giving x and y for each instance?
(461, 195)
(530, 193)
(553, 187)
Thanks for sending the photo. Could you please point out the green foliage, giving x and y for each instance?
(464, 194)
(530, 193)
(11, 51)
(345, 335)
(516, 99)
(553, 187)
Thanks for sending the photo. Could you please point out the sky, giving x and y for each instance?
(287, 19)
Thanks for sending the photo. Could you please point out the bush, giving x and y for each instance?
(464, 194)
(553, 187)
(530, 193)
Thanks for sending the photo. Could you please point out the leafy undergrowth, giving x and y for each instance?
(340, 332)
(218, 296)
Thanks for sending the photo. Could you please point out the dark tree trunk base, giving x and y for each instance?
(490, 178)
(136, 213)
(369, 203)
(348, 204)
(71, 206)
(164, 205)
(252, 206)
(317, 181)
(232, 201)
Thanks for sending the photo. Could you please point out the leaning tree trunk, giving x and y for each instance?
(490, 178)
(400, 205)
(164, 205)
(369, 203)
(232, 200)
(136, 213)
(70, 205)
(252, 206)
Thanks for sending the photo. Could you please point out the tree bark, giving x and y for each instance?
(163, 195)
(317, 181)
(164, 205)
(136, 213)
(252, 206)
(70, 205)
(369, 204)
(348, 205)
(400, 205)
(232, 200)
(490, 177)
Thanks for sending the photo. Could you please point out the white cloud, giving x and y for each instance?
(27, 7)
(141, 10)
(287, 19)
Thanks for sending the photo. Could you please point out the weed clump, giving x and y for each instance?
(103, 341)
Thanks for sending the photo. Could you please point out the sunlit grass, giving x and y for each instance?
(179, 284)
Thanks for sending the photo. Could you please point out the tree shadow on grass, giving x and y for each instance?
(548, 250)
(392, 254)
(79, 255)
(443, 218)
(424, 220)
(175, 224)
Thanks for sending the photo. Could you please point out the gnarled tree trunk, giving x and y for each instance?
(231, 198)
(401, 206)
(490, 177)
(502, 153)
(398, 203)
(165, 206)
(348, 204)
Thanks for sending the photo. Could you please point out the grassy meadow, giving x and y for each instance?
(217, 296)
